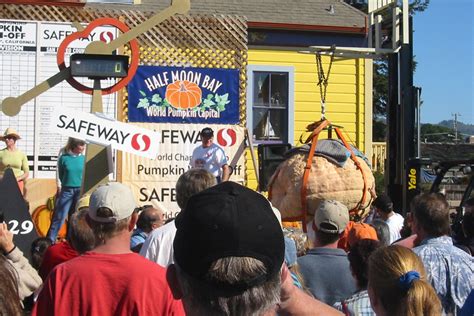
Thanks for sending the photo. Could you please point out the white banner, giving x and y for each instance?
(121, 136)
(18, 34)
(153, 182)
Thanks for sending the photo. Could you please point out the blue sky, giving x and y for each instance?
(443, 46)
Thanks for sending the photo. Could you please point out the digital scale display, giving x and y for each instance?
(99, 66)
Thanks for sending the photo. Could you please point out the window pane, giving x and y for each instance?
(279, 124)
(259, 119)
(270, 124)
(270, 98)
(261, 88)
(279, 89)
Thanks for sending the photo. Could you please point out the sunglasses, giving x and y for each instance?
(10, 137)
(142, 208)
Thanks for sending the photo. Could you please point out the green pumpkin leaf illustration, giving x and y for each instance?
(142, 93)
(143, 103)
(209, 96)
(207, 103)
(221, 101)
(156, 98)
(221, 107)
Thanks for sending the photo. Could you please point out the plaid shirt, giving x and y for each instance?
(450, 271)
(356, 305)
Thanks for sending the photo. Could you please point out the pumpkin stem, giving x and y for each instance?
(182, 87)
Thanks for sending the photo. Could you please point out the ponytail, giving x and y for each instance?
(421, 299)
(397, 278)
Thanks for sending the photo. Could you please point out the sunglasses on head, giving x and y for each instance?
(142, 208)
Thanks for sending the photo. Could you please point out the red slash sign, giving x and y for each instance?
(85, 34)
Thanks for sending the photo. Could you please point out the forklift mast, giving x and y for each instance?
(402, 174)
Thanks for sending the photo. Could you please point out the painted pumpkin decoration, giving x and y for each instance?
(183, 94)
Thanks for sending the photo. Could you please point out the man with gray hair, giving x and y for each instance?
(229, 253)
(110, 279)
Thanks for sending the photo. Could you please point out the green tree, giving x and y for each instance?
(436, 134)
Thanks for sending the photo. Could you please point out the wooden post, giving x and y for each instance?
(96, 169)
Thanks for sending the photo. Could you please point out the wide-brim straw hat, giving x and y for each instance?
(10, 132)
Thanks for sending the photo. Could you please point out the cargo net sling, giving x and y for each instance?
(330, 169)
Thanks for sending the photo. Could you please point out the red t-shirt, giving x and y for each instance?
(56, 254)
(107, 284)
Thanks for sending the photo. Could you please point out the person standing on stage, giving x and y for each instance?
(70, 168)
(211, 157)
(11, 157)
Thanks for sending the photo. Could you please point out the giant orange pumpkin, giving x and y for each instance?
(183, 94)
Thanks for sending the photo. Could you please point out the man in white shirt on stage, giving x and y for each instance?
(211, 157)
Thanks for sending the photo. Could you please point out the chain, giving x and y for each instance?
(323, 80)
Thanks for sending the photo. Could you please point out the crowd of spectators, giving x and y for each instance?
(226, 253)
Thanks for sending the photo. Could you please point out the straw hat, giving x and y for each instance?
(10, 132)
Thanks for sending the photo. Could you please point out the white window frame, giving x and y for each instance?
(291, 98)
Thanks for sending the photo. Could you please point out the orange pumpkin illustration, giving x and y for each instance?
(183, 94)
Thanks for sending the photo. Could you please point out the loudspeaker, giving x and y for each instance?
(269, 158)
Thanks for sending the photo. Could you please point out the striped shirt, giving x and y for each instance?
(356, 305)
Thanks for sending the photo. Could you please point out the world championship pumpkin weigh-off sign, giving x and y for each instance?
(184, 95)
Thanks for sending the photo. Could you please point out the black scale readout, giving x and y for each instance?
(96, 66)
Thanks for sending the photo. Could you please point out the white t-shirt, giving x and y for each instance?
(395, 224)
(211, 158)
(158, 247)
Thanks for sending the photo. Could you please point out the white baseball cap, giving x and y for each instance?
(115, 196)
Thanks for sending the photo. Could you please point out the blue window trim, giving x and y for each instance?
(291, 99)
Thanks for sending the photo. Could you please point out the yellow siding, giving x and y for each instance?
(344, 100)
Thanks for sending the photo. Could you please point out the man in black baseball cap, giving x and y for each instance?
(229, 252)
(210, 156)
(207, 132)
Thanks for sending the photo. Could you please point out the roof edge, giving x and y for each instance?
(72, 3)
(306, 27)
(362, 13)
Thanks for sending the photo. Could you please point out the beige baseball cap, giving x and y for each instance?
(115, 196)
(331, 217)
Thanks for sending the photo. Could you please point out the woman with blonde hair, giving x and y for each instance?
(12, 157)
(398, 284)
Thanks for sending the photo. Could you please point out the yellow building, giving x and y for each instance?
(346, 95)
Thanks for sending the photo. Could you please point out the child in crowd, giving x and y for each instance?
(398, 284)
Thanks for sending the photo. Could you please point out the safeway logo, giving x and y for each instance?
(226, 137)
(106, 36)
(105, 131)
(141, 142)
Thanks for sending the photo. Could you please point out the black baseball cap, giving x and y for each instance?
(384, 203)
(228, 220)
(207, 132)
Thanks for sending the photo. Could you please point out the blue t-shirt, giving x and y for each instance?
(327, 274)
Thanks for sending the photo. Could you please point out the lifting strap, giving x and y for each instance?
(313, 138)
(316, 129)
